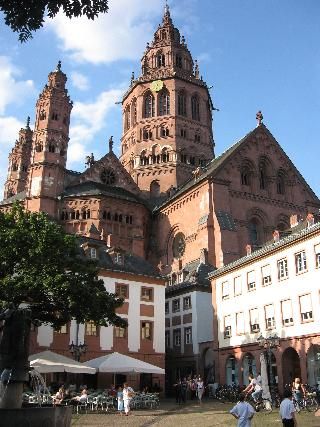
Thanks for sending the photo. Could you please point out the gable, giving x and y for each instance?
(109, 171)
(260, 155)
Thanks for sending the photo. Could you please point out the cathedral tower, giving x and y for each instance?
(167, 115)
(49, 145)
(19, 162)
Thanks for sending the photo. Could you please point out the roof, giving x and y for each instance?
(211, 168)
(16, 197)
(196, 278)
(300, 231)
(131, 263)
(91, 188)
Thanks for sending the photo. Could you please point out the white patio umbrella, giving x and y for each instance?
(48, 361)
(122, 364)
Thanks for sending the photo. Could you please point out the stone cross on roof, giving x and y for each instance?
(259, 118)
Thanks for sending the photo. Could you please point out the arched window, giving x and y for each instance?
(178, 61)
(134, 112)
(39, 147)
(154, 189)
(165, 155)
(280, 182)
(164, 103)
(245, 176)
(127, 118)
(149, 105)
(160, 60)
(147, 134)
(195, 108)
(51, 147)
(143, 158)
(249, 367)
(182, 105)
(232, 371)
(256, 233)
(14, 167)
(164, 131)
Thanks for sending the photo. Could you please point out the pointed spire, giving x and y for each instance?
(28, 123)
(166, 16)
(196, 69)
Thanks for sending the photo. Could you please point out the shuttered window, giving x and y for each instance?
(240, 323)
(237, 286)
(286, 308)
(306, 307)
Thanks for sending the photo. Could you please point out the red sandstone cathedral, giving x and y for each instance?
(168, 198)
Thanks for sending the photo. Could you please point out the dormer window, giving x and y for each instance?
(93, 253)
(118, 258)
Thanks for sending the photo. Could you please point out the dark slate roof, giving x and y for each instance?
(301, 230)
(216, 163)
(132, 263)
(196, 277)
(91, 188)
(9, 200)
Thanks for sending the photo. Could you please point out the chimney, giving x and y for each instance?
(276, 236)
(249, 250)
(294, 220)
(310, 219)
(203, 256)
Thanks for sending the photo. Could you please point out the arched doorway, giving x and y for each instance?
(290, 365)
(208, 366)
(232, 371)
(248, 368)
(313, 364)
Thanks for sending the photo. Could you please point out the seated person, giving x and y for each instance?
(59, 396)
(82, 398)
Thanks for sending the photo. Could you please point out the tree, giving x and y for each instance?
(44, 275)
(26, 16)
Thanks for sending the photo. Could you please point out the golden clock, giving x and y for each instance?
(156, 85)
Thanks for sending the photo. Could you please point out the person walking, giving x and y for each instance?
(127, 396)
(287, 410)
(120, 400)
(243, 412)
(200, 389)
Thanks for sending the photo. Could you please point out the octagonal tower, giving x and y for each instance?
(167, 115)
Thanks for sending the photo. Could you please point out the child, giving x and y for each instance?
(120, 400)
(243, 412)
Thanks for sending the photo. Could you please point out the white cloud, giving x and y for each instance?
(9, 128)
(80, 81)
(12, 90)
(122, 33)
(87, 119)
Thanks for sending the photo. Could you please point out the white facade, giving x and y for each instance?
(283, 296)
(273, 291)
(45, 334)
(201, 320)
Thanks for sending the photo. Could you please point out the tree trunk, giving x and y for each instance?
(14, 352)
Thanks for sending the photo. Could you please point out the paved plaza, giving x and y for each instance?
(210, 413)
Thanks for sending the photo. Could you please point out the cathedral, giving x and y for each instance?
(168, 199)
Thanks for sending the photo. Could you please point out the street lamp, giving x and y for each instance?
(268, 343)
(77, 350)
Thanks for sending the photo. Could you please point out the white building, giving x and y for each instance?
(274, 290)
(188, 321)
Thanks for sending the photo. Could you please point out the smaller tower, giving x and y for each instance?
(50, 144)
(19, 162)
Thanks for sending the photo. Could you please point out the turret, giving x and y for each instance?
(19, 162)
(50, 143)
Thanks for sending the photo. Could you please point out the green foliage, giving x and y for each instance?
(25, 16)
(42, 267)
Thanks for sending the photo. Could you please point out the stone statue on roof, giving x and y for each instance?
(111, 142)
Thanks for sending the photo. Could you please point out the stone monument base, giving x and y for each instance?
(60, 416)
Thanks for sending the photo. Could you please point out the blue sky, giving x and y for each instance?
(257, 55)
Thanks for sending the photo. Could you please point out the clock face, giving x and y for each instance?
(156, 85)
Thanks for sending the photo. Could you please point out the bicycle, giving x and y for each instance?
(261, 405)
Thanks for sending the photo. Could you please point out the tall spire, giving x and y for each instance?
(166, 16)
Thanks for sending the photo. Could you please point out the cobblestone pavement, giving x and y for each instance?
(209, 414)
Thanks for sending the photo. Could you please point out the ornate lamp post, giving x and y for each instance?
(268, 343)
(77, 350)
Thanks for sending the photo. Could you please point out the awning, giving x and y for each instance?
(48, 361)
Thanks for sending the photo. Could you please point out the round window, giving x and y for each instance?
(178, 245)
(108, 176)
